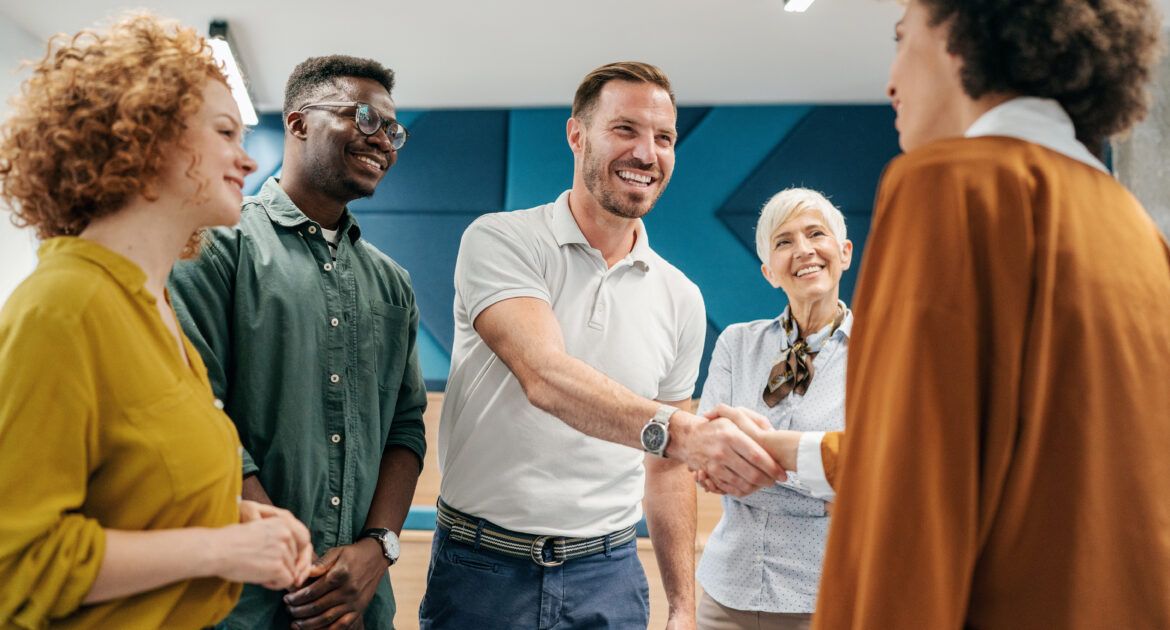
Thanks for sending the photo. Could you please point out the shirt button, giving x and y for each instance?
(218, 404)
(335, 438)
(312, 229)
(333, 378)
(335, 501)
(328, 267)
(334, 322)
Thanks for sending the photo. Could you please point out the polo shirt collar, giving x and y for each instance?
(282, 211)
(1040, 121)
(567, 232)
(123, 270)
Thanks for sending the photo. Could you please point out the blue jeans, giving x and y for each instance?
(481, 589)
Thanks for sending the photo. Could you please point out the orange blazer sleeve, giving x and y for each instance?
(830, 449)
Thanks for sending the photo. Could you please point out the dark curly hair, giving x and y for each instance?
(1095, 57)
(98, 119)
(315, 73)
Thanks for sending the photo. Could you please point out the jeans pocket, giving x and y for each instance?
(475, 563)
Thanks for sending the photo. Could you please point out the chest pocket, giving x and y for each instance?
(391, 335)
(195, 443)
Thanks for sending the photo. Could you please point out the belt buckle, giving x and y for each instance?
(536, 552)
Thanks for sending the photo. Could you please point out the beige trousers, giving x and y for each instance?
(715, 616)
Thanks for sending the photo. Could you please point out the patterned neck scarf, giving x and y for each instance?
(793, 371)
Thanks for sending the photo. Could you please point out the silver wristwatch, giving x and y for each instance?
(388, 540)
(656, 433)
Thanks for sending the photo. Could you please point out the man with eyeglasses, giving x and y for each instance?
(308, 333)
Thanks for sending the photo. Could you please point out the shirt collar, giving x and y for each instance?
(124, 271)
(1040, 121)
(566, 232)
(282, 211)
(845, 329)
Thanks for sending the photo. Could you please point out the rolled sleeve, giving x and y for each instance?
(49, 554)
(407, 428)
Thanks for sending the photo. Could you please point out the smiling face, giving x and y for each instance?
(925, 87)
(625, 149)
(806, 259)
(213, 138)
(343, 163)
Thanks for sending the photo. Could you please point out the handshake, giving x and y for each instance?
(732, 450)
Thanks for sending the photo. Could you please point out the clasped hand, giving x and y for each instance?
(728, 425)
(269, 547)
(342, 583)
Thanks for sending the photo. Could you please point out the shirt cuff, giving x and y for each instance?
(811, 468)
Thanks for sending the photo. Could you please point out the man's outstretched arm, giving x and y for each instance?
(525, 334)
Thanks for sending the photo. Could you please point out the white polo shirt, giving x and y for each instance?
(641, 322)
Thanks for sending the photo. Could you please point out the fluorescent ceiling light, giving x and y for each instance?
(796, 6)
(222, 50)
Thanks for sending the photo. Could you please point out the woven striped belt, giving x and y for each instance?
(467, 529)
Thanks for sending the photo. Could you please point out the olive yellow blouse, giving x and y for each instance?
(102, 425)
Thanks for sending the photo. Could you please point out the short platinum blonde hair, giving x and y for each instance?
(789, 203)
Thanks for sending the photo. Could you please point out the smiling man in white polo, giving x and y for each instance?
(576, 353)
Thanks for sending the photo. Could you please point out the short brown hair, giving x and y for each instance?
(98, 119)
(633, 71)
(1095, 57)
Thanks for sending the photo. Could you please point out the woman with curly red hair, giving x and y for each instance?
(119, 473)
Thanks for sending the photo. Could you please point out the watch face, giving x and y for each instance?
(390, 544)
(653, 437)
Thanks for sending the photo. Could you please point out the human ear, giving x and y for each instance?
(767, 271)
(575, 134)
(295, 125)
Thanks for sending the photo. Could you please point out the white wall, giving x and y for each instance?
(17, 247)
(1140, 159)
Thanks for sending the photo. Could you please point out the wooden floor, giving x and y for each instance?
(410, 573)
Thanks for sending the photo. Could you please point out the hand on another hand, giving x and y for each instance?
(269, 547)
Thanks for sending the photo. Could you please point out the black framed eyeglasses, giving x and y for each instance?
(369, 121)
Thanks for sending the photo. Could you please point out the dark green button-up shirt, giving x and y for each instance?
(315, 361)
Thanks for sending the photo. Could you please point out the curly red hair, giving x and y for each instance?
(95, 123)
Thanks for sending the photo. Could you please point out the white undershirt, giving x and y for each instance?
(331, 240)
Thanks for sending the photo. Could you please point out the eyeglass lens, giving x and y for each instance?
(369, 121)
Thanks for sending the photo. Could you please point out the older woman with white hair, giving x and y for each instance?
(762, 564)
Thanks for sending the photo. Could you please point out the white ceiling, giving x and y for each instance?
(470, 53)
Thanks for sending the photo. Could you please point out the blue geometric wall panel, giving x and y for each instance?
(412, 239)
(722, 151)
(540, 164)
(453, 162)
(459, 164)
(839, 150)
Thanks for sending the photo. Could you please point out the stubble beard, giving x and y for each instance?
(609, 199)
(331, 176)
